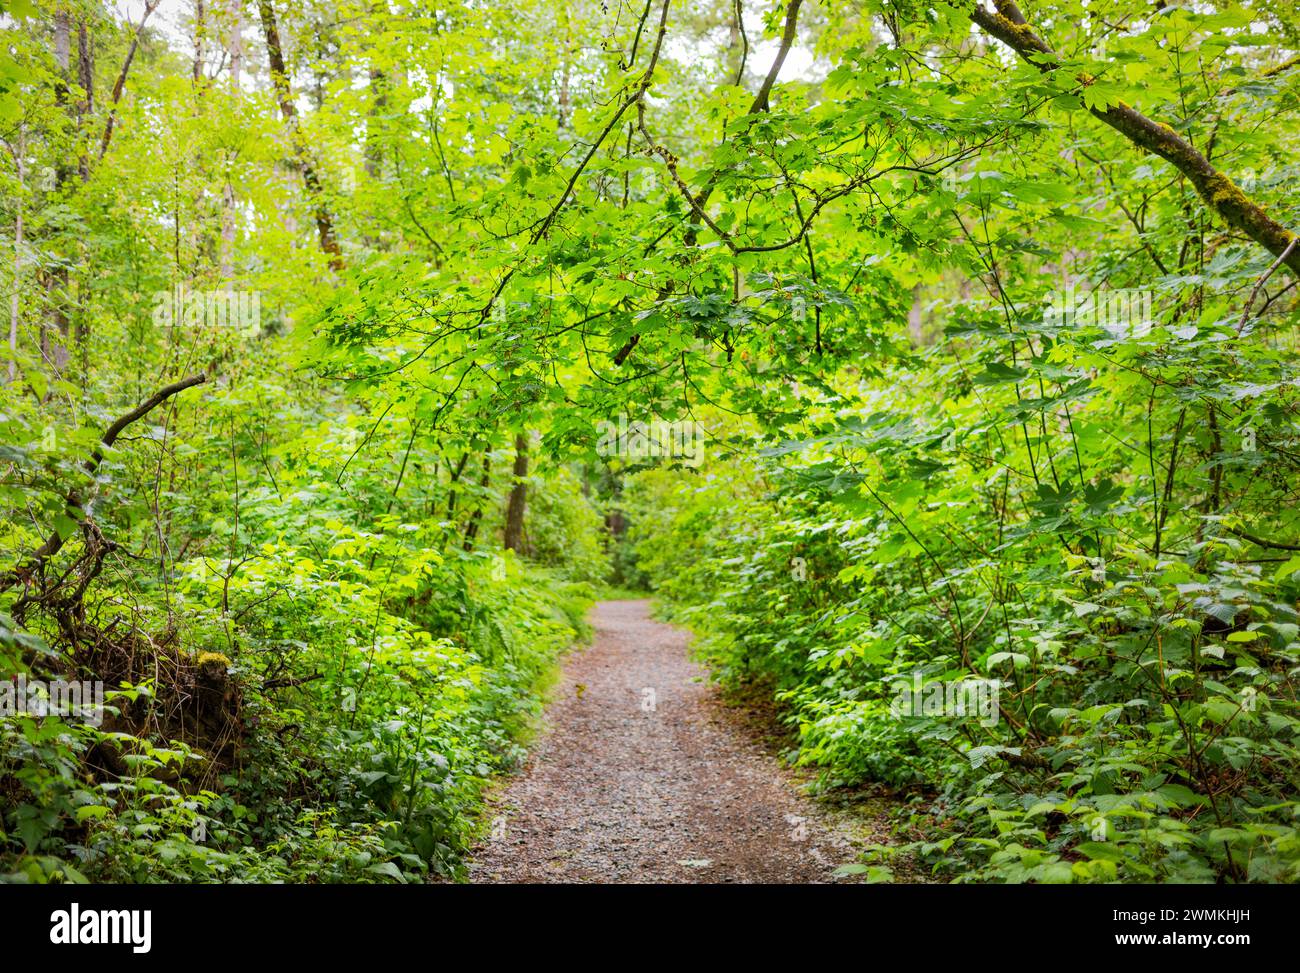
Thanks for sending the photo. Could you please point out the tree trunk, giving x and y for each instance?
(453, 480)
(20, 158)
(280, 79)
(514, 530)
(198, 40)
(228, 200)
(54, 335)
(378, 104)
(471, 532)
(86, 77)
(236, 42)
(374, 151)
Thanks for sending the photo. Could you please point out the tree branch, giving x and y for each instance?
(787, 39)
(1220, 193)
(149, 7)
(73, 500)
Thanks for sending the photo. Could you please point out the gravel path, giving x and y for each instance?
(643, 775)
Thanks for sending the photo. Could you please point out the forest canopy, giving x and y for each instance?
(906, 351)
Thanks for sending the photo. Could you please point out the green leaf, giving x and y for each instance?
(388, 870)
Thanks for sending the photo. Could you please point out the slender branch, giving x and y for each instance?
(1263, 541)
(787, 39)
(118, 86)
(744, 44)
(1245, 312)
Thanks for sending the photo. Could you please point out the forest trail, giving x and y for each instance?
(643, 775)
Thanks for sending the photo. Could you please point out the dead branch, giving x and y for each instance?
(73, 500)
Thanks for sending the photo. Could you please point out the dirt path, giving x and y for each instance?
(642, 775)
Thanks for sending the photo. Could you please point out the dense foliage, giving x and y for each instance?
(970, 330)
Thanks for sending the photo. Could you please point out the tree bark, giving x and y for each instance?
(120, 84)
(86, 77)
(55, 332)
(228, 200)
(378, 104)
(471, 531)
(454, 479)
(515, 509)
(329, 244)
(20, 162)
(1220, 194)
(198, 40)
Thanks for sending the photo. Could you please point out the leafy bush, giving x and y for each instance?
(1145, 650)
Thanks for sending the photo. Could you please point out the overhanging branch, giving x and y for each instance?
(73, 500)
(1219, 192)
